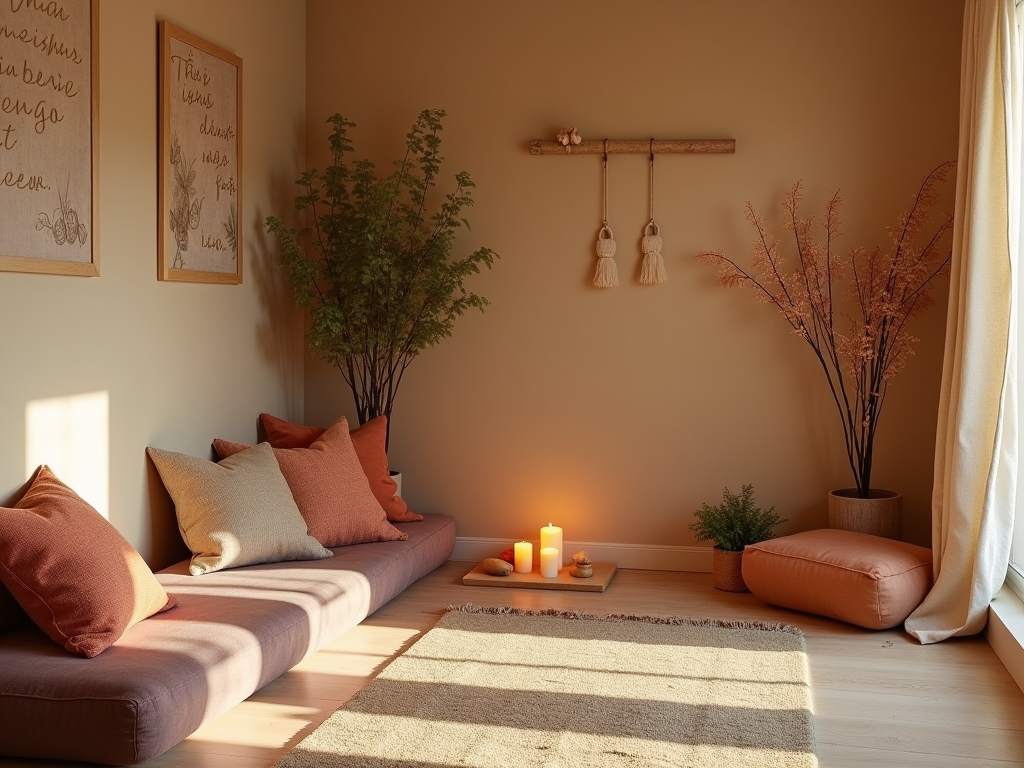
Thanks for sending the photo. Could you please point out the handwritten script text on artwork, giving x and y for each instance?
(47, 135)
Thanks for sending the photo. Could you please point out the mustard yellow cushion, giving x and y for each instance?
(860, 579)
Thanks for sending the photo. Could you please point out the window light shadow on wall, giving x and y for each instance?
(71, 435)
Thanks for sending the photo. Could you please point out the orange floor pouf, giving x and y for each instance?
(860, 579)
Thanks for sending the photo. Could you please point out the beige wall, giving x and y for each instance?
(616, 413)
(180, 363)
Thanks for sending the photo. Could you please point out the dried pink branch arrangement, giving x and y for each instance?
(864, 342)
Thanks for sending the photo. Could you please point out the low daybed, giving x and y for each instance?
(232, 632)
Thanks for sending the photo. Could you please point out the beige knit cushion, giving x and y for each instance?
(330, 489)
(236, 512)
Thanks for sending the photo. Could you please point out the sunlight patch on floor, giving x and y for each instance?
(257, 724)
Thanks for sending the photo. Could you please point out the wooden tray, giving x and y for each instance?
(603, 573)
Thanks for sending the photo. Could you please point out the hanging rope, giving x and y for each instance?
(607, 275)
(653, 270)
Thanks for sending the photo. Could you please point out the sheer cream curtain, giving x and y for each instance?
(976, 441)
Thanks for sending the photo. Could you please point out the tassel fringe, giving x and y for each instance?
(653, 270)
(607, 275)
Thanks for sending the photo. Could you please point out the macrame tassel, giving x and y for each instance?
(607, 275)
(653, 270)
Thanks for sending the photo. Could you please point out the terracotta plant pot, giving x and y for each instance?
(881, 514)
(727, 570)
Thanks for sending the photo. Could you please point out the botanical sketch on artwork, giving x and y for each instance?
(66, 226)
(200, 140)
(231, 232)
(185, 208)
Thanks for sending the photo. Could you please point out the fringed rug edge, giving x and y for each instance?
(681, 621)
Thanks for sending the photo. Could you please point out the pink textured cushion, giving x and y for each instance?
(71, 571)
(864, 580)
(369, 440)
(330, 489)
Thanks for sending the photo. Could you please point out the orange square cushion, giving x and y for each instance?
(71, 571)
(864, 580)
(330, 489)
(369, 442)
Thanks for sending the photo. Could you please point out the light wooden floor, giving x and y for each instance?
(880, 699)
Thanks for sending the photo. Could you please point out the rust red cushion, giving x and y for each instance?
(71, 571)
(369, 440)
(284, 434)
(854, 577)
(330, 489)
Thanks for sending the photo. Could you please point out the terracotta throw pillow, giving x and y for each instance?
(238, 512)
(369, 442)
(71, 571)
(330, 489)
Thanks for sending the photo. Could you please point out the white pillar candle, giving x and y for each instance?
(524, 557)
(551, 536)
(549, 562)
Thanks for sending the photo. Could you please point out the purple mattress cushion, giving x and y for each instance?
(232, 633)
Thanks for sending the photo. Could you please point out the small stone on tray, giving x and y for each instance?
(496, 566)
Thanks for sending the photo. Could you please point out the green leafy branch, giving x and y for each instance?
(374, 266)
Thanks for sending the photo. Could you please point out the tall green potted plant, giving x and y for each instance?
(860, 344)
(374, 265)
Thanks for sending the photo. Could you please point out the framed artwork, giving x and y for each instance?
(49, 137)
(200, 195)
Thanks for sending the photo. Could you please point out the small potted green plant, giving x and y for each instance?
(732, 525)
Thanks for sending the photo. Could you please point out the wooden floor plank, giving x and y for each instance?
(880, 698)
(943, 740)
(861, 757)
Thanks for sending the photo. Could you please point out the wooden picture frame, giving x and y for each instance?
(49, 137)
(200, 146)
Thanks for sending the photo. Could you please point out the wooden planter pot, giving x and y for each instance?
(727, 570)
(881, 514)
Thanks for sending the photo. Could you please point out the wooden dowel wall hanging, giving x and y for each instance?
(637, 147)
(569, 142)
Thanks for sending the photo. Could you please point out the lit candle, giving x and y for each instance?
(551, 536)
(549, 562)
(524, 557)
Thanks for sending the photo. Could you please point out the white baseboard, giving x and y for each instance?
(646, 557)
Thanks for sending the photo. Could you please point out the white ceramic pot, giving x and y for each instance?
(397, 477)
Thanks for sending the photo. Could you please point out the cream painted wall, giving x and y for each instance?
(181, 363)
(616, 413)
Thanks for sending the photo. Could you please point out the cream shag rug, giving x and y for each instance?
(504, 688)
